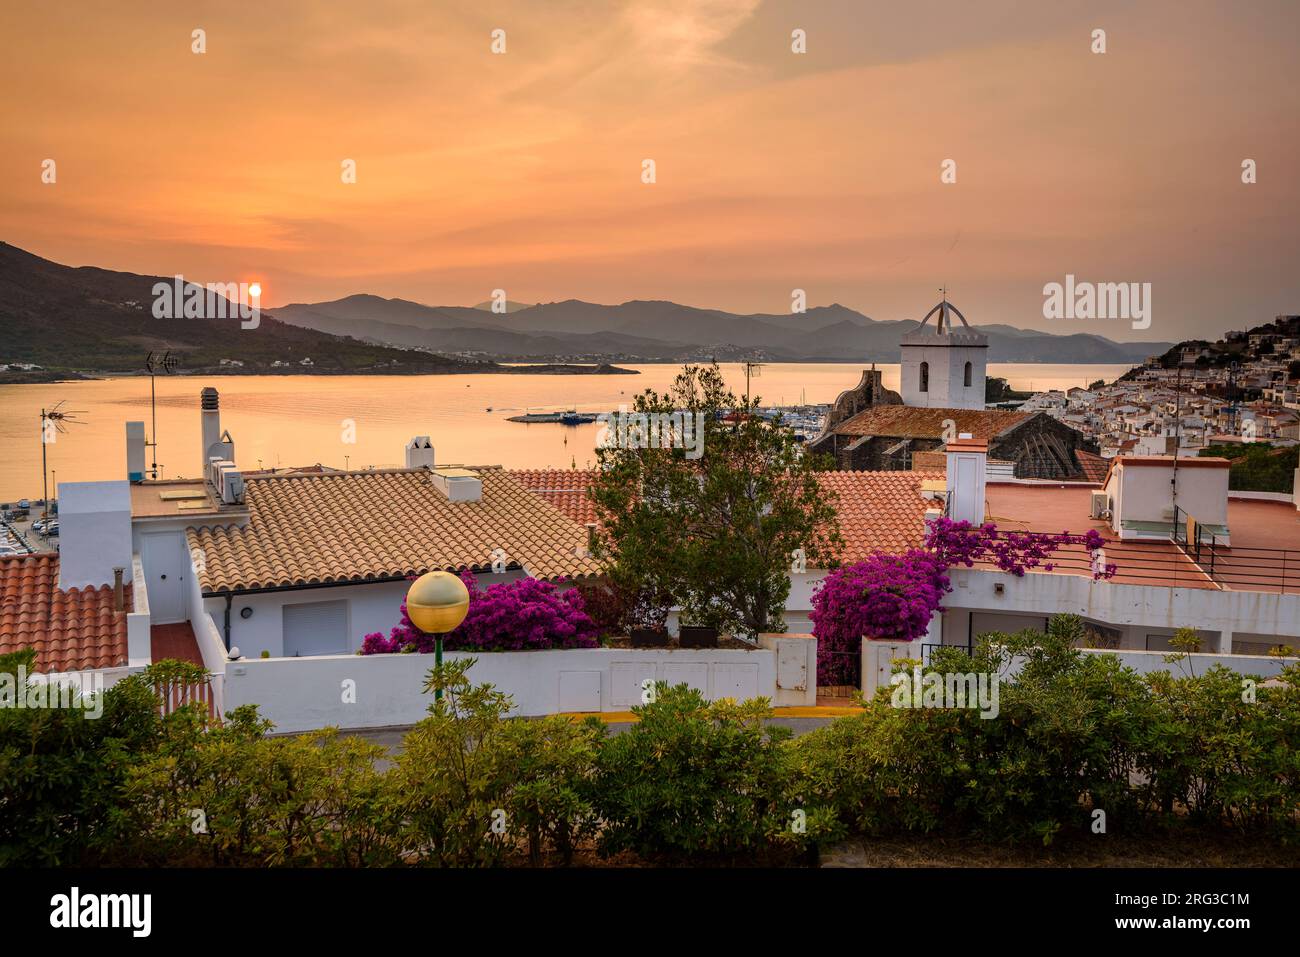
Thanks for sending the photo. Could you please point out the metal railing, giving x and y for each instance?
(1237, 568)
(1204, 562)
(928, 649)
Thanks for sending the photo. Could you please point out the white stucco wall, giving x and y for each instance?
(94, 532)
(1145, 607)
(301, 694)
(139, 650)
(1144, 494)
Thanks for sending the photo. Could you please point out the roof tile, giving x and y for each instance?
(363, 526)
(70, 629)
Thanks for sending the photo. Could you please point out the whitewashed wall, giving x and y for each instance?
(301, 694)
(1261, 666)
(139, 650)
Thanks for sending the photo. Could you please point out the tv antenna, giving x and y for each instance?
(751, 372)
(155, 363)
(54, 422)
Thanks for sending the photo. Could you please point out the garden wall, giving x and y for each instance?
(355, 691)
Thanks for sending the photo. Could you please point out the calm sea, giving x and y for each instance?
(290, 421)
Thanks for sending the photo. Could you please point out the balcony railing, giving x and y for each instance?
(1204, 562)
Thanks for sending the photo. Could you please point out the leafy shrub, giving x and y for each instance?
(551, 763)
(693, 778)
(61, 771)
(225, 794)
(471, 784)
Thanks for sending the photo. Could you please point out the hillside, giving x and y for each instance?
(88, 319)
(72, 320)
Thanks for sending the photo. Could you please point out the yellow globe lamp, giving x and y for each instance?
(436, 603)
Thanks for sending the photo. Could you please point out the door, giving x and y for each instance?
(166, 564)
(316, 628)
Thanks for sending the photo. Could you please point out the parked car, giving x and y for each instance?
(9, 549)
(38, 526)
(52, 529)
(23, 503)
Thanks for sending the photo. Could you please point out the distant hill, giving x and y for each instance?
(84, 319)
(656, 330)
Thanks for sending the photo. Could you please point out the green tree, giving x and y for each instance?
(718, 531)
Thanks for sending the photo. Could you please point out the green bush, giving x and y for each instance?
(1075, 733)
(228, 795)
(61, 771)
(473, 784)
(694, 778)
(691, 780)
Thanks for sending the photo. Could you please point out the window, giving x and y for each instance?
(966, 375)
(925, 377)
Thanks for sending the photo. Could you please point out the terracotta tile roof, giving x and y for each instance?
(1094, 467)
(566, 489)
(71, 630)
(391, 523)
(878, 511)
(905, 421)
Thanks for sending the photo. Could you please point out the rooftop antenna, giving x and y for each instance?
(751, 371)
(53, 422)
(154, 363)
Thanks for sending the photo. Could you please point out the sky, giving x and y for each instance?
(774, 170)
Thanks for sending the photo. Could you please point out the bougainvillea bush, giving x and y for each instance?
(890, 597)
(893, 597)
(522, 615)
(961, 543)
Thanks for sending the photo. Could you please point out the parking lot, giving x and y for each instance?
(17, 535)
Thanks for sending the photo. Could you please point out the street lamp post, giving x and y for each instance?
(437, 603)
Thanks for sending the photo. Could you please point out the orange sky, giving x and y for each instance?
(522, 171)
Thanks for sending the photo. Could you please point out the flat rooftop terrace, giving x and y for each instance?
(1265, 536)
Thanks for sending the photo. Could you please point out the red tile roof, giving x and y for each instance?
(1094, 467)
(566, 489)
(905, 421)
(372, 525)
(878, 511)
(71, 629)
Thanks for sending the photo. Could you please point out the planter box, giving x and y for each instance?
(691, 636)
(648, 637)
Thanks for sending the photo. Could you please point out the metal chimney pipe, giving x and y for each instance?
(210, 404)
(119, 600)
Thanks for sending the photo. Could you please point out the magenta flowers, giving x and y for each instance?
(893, 597)
(520, 615)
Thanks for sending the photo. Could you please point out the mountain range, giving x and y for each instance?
(78, 319)
(660, 331)
(73, 320)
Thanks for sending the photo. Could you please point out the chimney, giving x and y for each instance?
(419, 453)
(211, 414)
(459, 485)
(119, 603)
(967, 465)
(135, 451)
